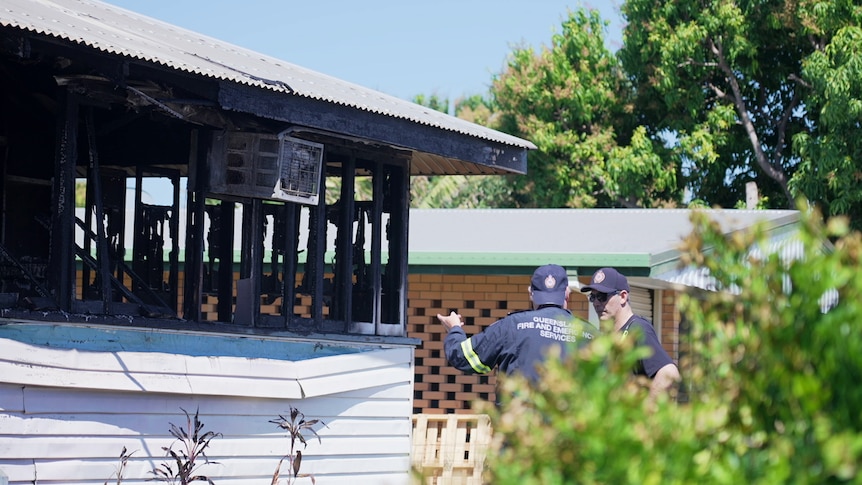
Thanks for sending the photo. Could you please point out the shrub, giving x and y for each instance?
(772, 379)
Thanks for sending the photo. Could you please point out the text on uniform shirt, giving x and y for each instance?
(554, 329)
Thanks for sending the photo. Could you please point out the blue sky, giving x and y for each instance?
(451, 48)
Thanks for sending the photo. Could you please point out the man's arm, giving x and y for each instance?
(664, 380)
(463, 352)
(453, 343)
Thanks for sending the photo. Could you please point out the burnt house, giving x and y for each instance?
(101, 96)
(273, 276)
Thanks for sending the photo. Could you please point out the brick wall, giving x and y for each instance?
(481, 300)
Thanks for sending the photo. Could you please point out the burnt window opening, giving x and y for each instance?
(134, 240)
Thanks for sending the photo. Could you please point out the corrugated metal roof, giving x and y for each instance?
(786, 245)
(115, 30)
(642, 239)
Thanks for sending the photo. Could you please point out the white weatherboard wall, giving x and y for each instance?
(72, 397)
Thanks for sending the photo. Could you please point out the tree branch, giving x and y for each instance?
(798, 80)
(782, 128)
(772, 170)
(718, 91)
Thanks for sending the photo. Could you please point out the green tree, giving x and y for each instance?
(772, 379)
(432, 101)
(80, 194)
(831, 153)
(729, 85)
(476, 109)
(573, 101)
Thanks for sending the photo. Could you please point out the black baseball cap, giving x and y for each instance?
(607, 280)
(549, 284)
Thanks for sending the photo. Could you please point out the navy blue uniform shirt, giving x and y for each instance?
(518, 342)
(648, 366)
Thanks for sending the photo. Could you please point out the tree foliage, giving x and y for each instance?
(831, 153)
(572, 100)
(448, 191)
(734, 83)
(702, 99)
(771, 379)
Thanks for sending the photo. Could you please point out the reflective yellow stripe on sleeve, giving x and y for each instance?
(472, 358)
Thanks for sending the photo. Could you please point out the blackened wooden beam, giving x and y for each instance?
(62, 258)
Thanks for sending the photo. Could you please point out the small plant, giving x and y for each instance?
(121, 467)
(192, 447)
(296, 426)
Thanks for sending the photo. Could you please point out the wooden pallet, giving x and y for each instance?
(449, 449)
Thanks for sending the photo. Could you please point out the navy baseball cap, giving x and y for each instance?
(607, 280)
(549, 284)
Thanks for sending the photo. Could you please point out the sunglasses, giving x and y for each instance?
(602, 297)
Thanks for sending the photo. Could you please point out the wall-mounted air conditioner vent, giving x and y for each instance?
(266, 167)
(299, 163)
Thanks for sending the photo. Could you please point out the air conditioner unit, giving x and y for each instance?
(266, 166)
(299, 170)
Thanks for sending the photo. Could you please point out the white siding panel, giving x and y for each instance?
(162, 383)
(346, 446)
(11, 397)
(28, 364)
(337, 364)
(67, 413)
(352, 479)
(47, 400)
(171, 373)
(221, 448)
(118, 424)
(398, 390)
(254, 471)
(19, 471)
(348, 381)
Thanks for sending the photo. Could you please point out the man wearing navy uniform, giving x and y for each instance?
(519, 342)
(609, 294)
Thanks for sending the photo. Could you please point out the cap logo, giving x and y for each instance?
(599, 277)
(550, 282)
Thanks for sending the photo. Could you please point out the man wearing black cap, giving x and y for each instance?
(609, 294)
(520, 341)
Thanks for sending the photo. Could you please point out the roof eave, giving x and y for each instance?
(436, 151)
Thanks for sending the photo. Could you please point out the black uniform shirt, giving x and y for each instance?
(648, 366)
(518, 342)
